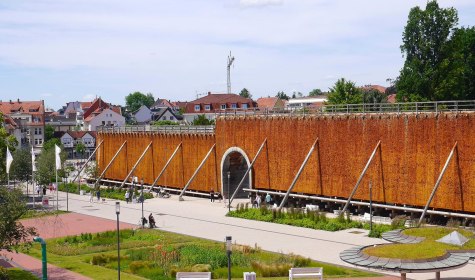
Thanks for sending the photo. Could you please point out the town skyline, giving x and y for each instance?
(66, 52)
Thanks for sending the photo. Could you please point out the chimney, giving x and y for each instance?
(11, 101)
(209, 92)
(18, 99)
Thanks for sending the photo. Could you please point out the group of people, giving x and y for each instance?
(98, 195)
(130, 196)
(151, 221)
(39, 189)
(256, 201)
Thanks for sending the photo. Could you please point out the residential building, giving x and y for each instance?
(103, 118)
(270, 103)
(214, 103)
(307, 102)
(29, 118)
(61, 122)
(70, 140)
(144, 115)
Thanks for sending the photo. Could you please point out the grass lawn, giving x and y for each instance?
(154, 254)
(315, 220)
(41, 213)
(429, 248)
(17, 274)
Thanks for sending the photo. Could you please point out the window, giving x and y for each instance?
(244, 105)
(234, 105)
(38, 130)
(207, 107)
(171, 118)
(38, 141)
(103, 122)
(223, 106)
(197, 107)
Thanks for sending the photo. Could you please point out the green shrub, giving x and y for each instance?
(135, 266)
(4, 274)
(103, 259)
(201, 268)
(271, 270)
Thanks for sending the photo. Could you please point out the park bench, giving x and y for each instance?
(306, 272)
(193, 275)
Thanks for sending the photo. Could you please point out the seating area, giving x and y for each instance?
(193, 275)
(306, 272)
(376, 219)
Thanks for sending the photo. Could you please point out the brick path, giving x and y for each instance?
(57, 226)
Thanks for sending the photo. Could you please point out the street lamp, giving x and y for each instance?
(67, 194)
(229, 248)
(229, 194)
(370, 207)
(117, 212)
(141, 199)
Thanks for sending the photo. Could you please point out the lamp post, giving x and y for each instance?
(370, 208)
(229, 196)
(117, 212)
(229, 248)
(67, 194)
(141, 199)
(44, 262)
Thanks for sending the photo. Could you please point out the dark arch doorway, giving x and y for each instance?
(236, 163)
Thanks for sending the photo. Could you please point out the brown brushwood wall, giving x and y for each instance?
(192, 151)
(413, 151)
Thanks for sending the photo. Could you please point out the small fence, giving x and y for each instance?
(203, 129)
(410, 107)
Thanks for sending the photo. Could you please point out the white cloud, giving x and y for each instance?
(260, 3)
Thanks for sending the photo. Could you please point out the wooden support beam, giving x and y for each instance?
(361, 176)
(89, 159)
(110, 163)
(284, 200)
(248, 170)
(180, 198)
(166, 165)
(437, 183)
(136, 164)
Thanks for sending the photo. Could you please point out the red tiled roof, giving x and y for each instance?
(267, 102)
(392, 98)
(97, 106)
(376, 87)
(9, 121)
(34, 108)
(215, 100)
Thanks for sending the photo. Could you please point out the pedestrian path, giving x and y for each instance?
(201, 218)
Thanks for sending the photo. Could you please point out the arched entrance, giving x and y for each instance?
(235, 161)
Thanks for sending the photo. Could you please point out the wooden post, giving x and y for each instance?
(403, 276)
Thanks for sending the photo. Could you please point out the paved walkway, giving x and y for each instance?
(201, 218)
(57, 226)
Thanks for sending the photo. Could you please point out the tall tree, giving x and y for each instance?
(458, 69)
(282, 95)
(49, 132)
(344, 92)
(21, 166)
(135, 100)
(424, 39)
(13, 234)
(6, 140)
(315, 92)
(47, 162)
(245, 93)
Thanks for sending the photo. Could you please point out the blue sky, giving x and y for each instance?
(72, 50)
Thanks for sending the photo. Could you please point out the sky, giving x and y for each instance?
(75, 50)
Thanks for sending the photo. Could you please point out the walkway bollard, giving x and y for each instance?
(43, 256)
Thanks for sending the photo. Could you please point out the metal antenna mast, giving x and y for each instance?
(230, 62)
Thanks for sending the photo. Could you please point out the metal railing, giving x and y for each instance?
(409, 107)
(203, 129)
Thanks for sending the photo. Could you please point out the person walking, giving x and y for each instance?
(127, 195)
(37, 190)
(211, 195)
(268, 199)
(91, 197)
(258, 200)
(44, 190)
(98, 195)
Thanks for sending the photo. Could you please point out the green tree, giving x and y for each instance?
(245, 93)
(46, 162)
(13, 235)
(425, 40)
(202, 120)
(6, 140)
(282, 95)
(135, 100)
(49, 132)
(315, 92)
(374, 96)
(21, 165)
(344, 92)
(458, 69)
(80, 149)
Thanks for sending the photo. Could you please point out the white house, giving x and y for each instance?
(309, 101)
(143, 115)
(106, 117)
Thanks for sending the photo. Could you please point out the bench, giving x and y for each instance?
(306, 272)
(193, 275)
